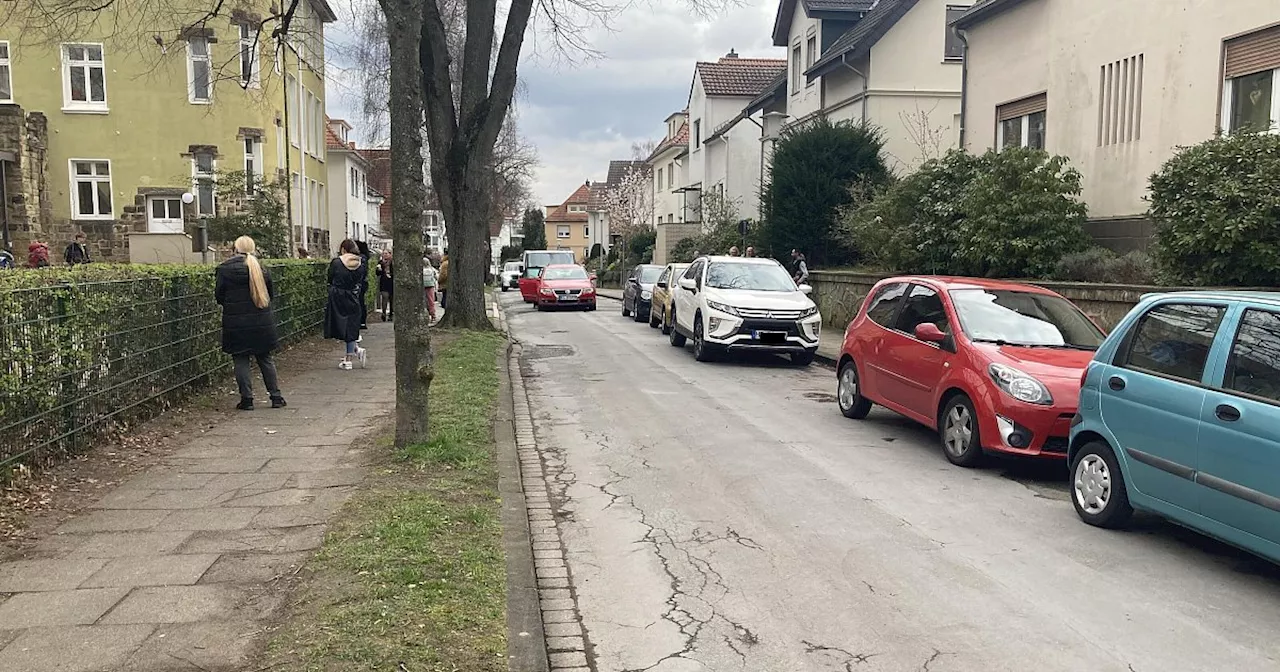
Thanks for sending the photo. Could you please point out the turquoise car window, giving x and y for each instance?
(1254, 366)
(1174, 340)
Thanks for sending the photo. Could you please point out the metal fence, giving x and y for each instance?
(83, 358)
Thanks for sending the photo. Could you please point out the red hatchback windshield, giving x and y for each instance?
(1030, 319)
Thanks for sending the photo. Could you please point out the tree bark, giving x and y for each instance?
(414, 359)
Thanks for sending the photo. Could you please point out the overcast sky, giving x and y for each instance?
(579, 116)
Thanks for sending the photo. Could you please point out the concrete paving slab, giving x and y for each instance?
(228, 518)
(115, 520)
(253, 567)
(119, 544)
(160, 570)
(294, 466)
(44, 575)
(293, 516)
(190, 604)
(231, 482)
(59, 607)
(281, 497)
(327, 478)
(86, 648)
(208, 646)
(222, 465)
(266, 540)
(169, 480)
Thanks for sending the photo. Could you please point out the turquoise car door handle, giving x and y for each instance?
(1227, 413)
(1116, 383)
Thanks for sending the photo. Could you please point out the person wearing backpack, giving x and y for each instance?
(37, 255)
(77, 252)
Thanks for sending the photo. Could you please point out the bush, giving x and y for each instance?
(813, 165)
(1009, 214)
(89, 348)
(1216, 207)
(641, 246)
(720, 231)
(1099, 264)
(533, 224)
(261, 217)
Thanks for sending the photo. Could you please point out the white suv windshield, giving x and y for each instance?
(760, 277)
(511, 267)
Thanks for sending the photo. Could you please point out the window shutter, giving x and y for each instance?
(1253, 53)
(1021, 108)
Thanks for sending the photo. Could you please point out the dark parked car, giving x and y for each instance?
(637, 292)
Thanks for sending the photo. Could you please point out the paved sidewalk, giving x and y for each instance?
(178, 568)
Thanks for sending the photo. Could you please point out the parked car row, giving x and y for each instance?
(1176, 412)
(726, 305)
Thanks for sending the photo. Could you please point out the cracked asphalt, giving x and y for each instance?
(727, 517)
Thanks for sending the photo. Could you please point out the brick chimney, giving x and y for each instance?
(731, 54)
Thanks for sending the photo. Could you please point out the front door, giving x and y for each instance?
(529, 283)
(914, 368)
(1152, 396)
(686, 300)
(1240, 431)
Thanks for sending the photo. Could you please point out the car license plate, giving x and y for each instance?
(568, 297)
(769, 336)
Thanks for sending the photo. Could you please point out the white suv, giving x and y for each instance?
(740, 304)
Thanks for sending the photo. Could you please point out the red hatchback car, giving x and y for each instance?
(564, 286)
(993, 366)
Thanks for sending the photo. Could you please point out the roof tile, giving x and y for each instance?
(735, 76)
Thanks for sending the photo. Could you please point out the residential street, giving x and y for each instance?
(727, 517)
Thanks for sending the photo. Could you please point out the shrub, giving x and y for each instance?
(1216, 207)
(1099, 264)
(261, 217)
(720, 231)
(89, 348)
(535, 231)
(813, 165)
(1013, 213)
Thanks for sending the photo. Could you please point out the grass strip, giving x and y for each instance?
(412, 571)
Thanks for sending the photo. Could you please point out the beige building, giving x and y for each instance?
(567, 225)
(1118, 86)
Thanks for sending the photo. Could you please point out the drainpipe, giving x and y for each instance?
(865, 83)
(288, 174)
(4, 204)
(964, 84)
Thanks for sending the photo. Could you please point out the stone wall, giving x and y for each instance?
(669, 235)
(839, 295)
(27, 210)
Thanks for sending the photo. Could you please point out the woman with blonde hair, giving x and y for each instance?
(244, 290)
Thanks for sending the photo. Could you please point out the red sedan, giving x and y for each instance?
(564, 286)
(993, 366)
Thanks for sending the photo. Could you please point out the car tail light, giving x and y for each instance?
(1084, 376)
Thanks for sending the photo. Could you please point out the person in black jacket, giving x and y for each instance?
(362, 249)
(343, 312)
(386, 287)
(77, 252)
(243, 288)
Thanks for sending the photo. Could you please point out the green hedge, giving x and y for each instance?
(93, 348)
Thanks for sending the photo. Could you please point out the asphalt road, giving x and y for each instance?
(727, 517)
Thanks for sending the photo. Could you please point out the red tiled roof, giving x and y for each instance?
(580, 196)
(734, 76)
(680, 139)
(379, 178)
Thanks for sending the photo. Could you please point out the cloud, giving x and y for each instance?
(581, 116)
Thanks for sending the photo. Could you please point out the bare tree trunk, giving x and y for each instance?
(466, 208)
(414, 365)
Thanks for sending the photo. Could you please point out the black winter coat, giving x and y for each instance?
(343, 312)
(246, 328)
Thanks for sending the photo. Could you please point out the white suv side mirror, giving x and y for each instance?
(688, 284)
(806, 289)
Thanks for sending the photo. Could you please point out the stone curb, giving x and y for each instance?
(526, 640)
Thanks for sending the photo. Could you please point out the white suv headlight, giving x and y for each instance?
(646, 294)
(1019, 385)
(808, 312)
(723, 308)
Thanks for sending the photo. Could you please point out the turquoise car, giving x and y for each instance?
(1179, 415)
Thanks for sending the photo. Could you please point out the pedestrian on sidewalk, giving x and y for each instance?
(243, 288)
(443, 281)
(37, 254)
(800, 270)
(386, 288)
(430, 277)
(751, 251)
(342, 313)
(362, 249)
(77, 252)
(733, 251)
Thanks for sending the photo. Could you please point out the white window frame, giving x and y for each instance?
(1228, 94)
(248, 44)
(292, 103)
(796, 72)
(253, 168)
(1026, 132)
(811, 53)
(563, 232)
(192, 59)
(6, 70)
(586, 231)
(212, 176)
(83, 106)
(165, 224)
(577, 208)
(75, 190)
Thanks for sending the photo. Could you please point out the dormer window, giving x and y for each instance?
(577, 208)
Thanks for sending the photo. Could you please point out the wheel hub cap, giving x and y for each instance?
(958, 431)
(1092, 484)
(848, 388)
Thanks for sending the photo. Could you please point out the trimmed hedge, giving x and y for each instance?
(92, 348)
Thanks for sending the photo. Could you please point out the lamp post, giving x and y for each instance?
(200, 241)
